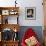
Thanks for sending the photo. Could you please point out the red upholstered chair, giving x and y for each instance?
(29, 33)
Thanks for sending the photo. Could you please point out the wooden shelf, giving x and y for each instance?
(9, 8)
(4, 13)
(11, 26)
(9, 43)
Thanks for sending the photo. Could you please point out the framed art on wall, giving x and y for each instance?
(30, 13)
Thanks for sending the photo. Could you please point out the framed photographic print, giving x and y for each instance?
(30, 13)
(5, 12)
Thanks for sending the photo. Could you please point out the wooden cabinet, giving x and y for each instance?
(10, 43)
(9, 23)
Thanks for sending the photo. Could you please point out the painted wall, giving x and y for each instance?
(39, 13)
(27, 3)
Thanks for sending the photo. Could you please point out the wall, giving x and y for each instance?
(27, 3)
(39, 13)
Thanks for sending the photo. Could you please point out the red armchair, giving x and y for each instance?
(30, 34)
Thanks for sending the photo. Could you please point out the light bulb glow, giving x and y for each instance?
(15, 30)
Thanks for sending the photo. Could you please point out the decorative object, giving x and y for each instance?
(5, 12)
(15, 30)
(15, 3)
(30, 38)
(5, 19)
(13, 12)
(30, 13)
(15, 37)
(31, 41)
(7, 34)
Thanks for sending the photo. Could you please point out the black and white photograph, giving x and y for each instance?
(30, 13)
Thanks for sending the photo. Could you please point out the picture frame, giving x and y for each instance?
(5, 12)
(30, 13)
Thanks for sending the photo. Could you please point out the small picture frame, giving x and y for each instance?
(5, 12)
(30, 13)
